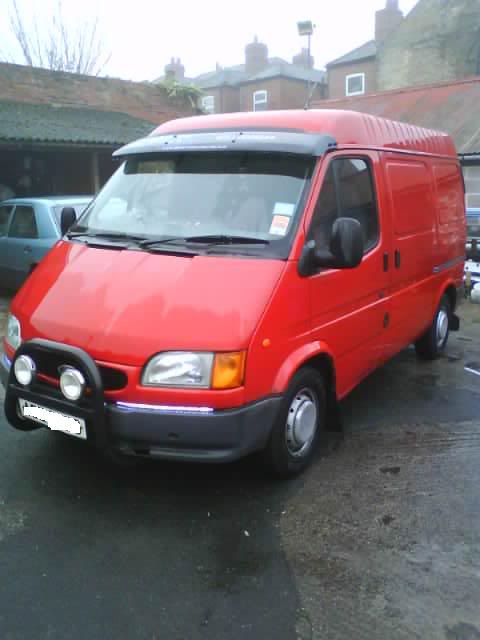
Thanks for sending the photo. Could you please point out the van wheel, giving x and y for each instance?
(434, 340)
(299, 424)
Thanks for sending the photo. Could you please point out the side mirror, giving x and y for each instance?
(67, 219)
(345, 251)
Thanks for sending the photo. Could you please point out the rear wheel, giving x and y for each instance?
(299, 424)
(434, 340)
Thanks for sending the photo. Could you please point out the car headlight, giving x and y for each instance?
(192, 369)
(14, 334)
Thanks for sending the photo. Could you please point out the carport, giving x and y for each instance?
(47, 149)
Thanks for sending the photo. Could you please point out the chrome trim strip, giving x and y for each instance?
(164, 408)
(447, 265)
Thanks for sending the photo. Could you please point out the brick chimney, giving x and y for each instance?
(387, 20)
(302, 59)
(175, 70)
(256, 57)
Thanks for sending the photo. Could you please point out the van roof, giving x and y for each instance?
(348, 128)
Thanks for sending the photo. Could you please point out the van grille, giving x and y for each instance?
(48, 364)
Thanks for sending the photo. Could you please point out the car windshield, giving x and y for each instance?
(195, 196)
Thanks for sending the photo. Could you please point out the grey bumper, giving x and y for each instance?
(172, 433)
(218, 436)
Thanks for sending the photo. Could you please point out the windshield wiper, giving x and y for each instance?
(108, 235)
(226, 239)
(213, 239)
(150, 242)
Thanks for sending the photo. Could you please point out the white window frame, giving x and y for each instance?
(348, 78)
(208, 100)
(260, 97)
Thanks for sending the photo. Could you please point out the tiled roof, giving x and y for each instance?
(450, 107)
(236, 75)
(287, 70)
(51, 124)
(367, 50)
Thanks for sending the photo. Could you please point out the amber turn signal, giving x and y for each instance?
(228, 370)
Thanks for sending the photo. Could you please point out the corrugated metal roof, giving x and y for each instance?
(450, 107)
(367, 50)
(51, 124)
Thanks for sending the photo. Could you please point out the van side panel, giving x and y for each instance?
(414, 234)
(450, 206)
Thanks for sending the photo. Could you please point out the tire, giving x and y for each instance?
(433, 342)
(293, 441)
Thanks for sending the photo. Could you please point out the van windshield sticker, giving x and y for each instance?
(279, 226)
(283, 209)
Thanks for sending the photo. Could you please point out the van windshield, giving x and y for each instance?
(194, 196)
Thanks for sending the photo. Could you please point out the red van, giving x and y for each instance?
(238, 276)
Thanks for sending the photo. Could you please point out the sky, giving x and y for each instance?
(142, 35)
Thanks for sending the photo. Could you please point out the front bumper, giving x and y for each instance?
(174, 433)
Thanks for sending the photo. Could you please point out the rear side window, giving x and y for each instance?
(4, 218)
(412, 197)
(347, 192)
(23, 223)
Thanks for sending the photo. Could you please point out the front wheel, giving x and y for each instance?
(433, 342)
(299, 424)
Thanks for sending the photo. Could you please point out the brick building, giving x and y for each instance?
(58, 130)
(438, 41)
(259, 83)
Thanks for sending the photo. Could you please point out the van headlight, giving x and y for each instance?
(13, 336)
(179, 369)
(195, 369)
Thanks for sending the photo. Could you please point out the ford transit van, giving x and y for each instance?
(235, 279)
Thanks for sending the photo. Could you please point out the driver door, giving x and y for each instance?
(350, 308)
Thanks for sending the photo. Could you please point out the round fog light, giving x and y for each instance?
(72, 384)
(24, 369)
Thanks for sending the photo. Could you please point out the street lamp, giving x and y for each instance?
(305, 28)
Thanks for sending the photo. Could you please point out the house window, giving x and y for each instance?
(260, 100)
(208, 104)
(355, 84)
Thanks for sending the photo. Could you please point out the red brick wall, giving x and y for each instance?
(283, 93)
(41, 86)
(337, 77)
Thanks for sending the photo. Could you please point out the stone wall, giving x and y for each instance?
(439, 41)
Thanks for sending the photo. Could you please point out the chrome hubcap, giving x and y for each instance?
(302, 422)
(442, 327)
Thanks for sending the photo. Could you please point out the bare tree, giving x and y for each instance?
(59, 46)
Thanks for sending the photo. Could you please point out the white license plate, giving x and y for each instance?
(53, 419)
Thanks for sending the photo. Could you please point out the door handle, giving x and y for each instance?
(397, 259)
(385, 261)
(27, 249)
